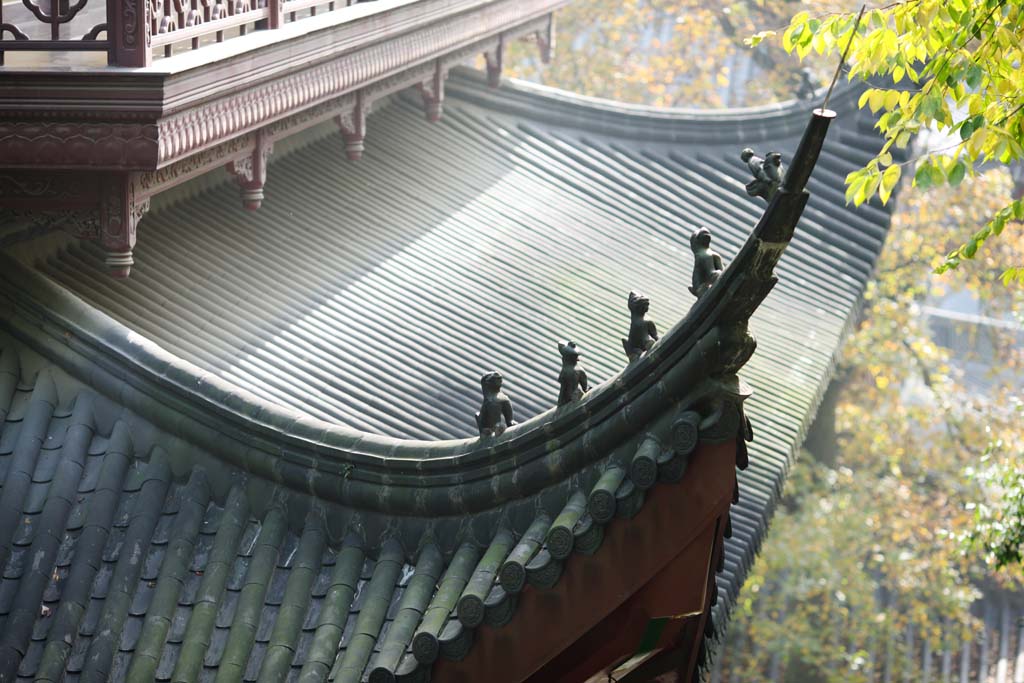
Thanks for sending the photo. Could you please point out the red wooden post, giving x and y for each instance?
(128, 28)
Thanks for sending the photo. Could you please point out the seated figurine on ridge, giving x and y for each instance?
(572, 380)
(767, 173)
(496, 410)
(707, 264)
(642, 333)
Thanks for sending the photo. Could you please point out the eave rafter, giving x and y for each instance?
(107, 171)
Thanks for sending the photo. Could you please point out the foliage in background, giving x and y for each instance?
(670, 53)
(953, 66)
(872, 546)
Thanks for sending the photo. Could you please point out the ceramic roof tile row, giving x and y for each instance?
(375, 294)
(146, 578)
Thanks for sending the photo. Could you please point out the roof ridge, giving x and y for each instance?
(537, 102)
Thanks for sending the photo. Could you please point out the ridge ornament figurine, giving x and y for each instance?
(707, 264)
(642, 332)
(572, 380)
(768, 173)
(495, 414)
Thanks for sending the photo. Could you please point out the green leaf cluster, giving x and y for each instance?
(953, 66)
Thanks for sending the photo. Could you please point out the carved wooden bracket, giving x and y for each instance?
(121, 209)
(251, 172)
(353, 127)
(433, 94)
(104, 208)
(494, 59)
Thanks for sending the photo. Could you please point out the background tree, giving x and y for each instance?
(952, 66)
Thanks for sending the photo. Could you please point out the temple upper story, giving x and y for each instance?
(104, 106)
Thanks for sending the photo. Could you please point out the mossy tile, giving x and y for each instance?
(125, 507)
(9, 437)
(46, 466)
(87, 626)
(66, 549)
(98, 445)
(56, 431)
(76, 658)
(211, 520)
(322, 582)
(36, 498)
(302, 644)
(248, 540)
(286, 555)
(256, 655)
(119, 666)
(8, 589)
(135, 476)
(218, 640)
(190, 587)
(142, 597)
(26, 530)
(112, 548)
(130, 631)
(41, 628)
(15, 564)
(239, 568)
(154, 560)
(312, 614)
(90, 474)
(360, 597)
(168, 658)
(54, 587)
(30, 663)
(19, 404)
(276, 588)
(179, 623)
(226, 609)
(201, 552)
(266, 626)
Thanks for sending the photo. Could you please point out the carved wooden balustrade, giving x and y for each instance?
(133, 32)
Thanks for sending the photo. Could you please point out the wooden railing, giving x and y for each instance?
(135, 31)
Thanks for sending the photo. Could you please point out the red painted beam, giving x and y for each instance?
(674, 518)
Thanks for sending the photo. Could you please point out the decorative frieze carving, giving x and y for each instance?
(154, 182)
(196, 128)
(75, 143)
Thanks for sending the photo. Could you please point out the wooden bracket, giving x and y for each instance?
(251, 172)
(353, 128)
(494, 59)
(121, 209)
(99, 207)
(433, 94)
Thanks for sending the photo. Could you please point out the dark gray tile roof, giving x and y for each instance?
(375, 294)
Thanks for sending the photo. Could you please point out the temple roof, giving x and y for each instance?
(374, 295)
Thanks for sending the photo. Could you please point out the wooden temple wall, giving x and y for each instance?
(995, 653)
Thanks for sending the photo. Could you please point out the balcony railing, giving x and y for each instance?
(133, 33)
